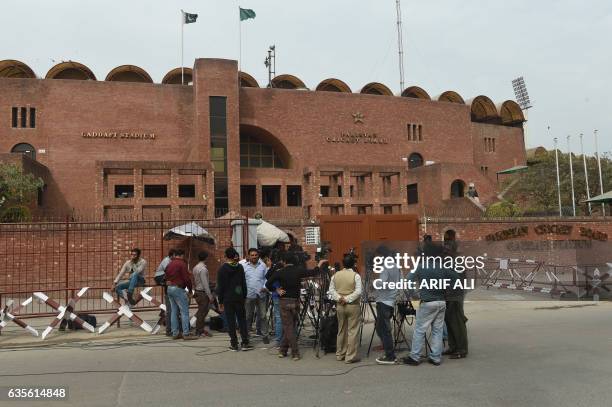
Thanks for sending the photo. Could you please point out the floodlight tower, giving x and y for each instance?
(522, 98)
(400, 43)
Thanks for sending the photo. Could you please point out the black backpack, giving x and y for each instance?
(91, 319)
(329, 333)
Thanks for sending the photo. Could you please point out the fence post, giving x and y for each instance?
(161, 243)
(66, 242)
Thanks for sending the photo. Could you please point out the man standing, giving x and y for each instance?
(160, 279)
(385, 306)
(257, 294)
(431, 310)
(231, 293)
(345, 289)
(177, 279)
(454, 317)
(203, 295)
(278, 324)
(135, 270)
(290, 277)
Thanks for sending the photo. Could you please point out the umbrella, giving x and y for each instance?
(189, 231)
(603, 198)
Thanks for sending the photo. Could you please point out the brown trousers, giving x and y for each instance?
(290, 310)
(203, 302)
(349, 316)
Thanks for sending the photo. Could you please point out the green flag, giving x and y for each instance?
(246, 13)
(189, 18)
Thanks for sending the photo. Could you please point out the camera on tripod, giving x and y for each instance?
(405, 309)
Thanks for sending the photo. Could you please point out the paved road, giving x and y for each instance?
(521, 354)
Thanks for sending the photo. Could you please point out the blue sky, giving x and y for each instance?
(474, 47)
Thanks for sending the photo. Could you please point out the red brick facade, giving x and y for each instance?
(93, 135)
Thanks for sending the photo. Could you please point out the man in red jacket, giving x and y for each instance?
(177, 279)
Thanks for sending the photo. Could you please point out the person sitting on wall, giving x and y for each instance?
(472, 193)
(135, 270)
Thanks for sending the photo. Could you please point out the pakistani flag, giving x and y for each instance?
(246, 13)
(189, 18)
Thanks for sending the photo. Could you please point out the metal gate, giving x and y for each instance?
(350, 231)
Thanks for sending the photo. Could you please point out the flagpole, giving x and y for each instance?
(603, 205)
(569, 152)
(239, 41)
(586, 173)
(558, 181)
(182, 47)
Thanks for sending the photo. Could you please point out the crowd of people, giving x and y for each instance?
(247, 288)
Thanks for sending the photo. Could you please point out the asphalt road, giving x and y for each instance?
(521, 354)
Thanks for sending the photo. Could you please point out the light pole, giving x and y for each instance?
(522, 98)
(558, 181)
(586, 173)
(569, 151)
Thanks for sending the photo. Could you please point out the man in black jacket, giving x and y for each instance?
(231, 293)
(290, 278)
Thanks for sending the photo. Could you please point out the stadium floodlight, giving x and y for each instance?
(521, 94)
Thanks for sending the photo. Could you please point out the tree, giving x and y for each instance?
(17, 190)
(503, 209)
(536, 189)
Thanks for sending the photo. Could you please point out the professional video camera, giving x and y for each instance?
(323, 251)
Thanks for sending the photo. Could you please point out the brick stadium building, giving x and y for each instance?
(127, 147)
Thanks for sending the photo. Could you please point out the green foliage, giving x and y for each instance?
(536, 190)
(503, 209)
(16, 193)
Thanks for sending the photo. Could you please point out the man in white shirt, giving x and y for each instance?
(134, 269)
(203, 295)
(257, 294)
(345, 288)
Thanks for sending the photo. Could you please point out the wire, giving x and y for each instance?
(207, 372)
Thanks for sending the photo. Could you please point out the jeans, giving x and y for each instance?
(180, 302)
(429, 314)
(259, 303)
(384, 328)
(129, 285)
(168, 312)
(278, 324)
(234, 310)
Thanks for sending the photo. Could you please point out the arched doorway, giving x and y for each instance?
(25, 148)
(415, 160)
(458, 189)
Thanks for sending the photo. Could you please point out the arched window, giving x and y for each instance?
(25, 148)
(257, 154)
(415, 160)
(457, 189)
